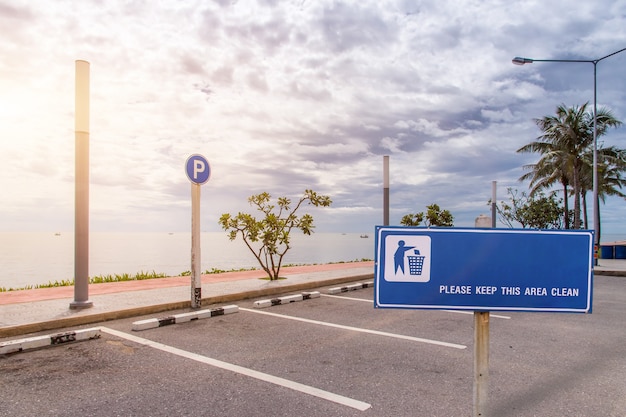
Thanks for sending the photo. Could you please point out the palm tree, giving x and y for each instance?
(566, 140)
(611, 170)
(550, 170)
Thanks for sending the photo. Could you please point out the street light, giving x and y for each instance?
(596, 209)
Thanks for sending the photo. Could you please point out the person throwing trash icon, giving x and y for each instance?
(398, 257)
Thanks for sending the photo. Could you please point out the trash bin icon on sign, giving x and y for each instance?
(407, 258)
(416, 263)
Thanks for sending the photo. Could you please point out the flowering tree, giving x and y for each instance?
(268, 238)
(534, 211)
(434, 217)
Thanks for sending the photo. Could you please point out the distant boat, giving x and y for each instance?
(57, 234)
(364, 236)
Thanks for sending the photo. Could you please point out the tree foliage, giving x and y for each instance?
(611, 171)
(534, 211)
(434, 216)
(564, 148)
(268, 238)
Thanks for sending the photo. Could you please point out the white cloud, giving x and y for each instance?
(282, 96)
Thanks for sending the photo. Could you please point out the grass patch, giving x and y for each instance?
(140, 276)
(98, 279)
(356, 260)
(216, 271)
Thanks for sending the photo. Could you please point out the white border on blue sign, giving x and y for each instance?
(378, 266)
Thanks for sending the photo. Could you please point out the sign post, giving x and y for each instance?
(481, 362)
(482, 270)
(481, 341)
(198, 172)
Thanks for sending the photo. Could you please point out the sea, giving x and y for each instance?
(33, 258)
(29, 259)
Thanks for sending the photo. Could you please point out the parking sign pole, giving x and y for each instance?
(198, 171)
(196, 278)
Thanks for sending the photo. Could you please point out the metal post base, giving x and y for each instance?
(79, 305)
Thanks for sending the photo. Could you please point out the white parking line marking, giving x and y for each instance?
(447, 311)
(357, 329)
(340, 399)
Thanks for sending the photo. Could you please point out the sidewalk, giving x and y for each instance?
(30, 311)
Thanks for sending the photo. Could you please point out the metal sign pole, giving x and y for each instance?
(196, 263)
(198, 171)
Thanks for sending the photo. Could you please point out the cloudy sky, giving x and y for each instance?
(281, 96)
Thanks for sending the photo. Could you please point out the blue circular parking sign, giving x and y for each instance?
(198, 169)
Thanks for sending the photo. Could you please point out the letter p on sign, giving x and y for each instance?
(198, 169)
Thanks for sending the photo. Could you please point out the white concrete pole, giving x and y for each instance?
(386, 190)
(81, 215)
(494, 185)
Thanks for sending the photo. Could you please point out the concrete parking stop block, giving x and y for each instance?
(286, 299)
(183, 317)
(351, 287)
(29, 343)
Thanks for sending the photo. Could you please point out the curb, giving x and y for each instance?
(610, 273)
(42, 326)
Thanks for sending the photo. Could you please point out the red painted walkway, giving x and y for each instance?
(40, 294)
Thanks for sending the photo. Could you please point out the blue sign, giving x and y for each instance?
(198, 169)
(484, 269)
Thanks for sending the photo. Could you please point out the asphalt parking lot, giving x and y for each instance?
(332, 356)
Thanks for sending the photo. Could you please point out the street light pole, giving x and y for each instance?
(596, 209)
